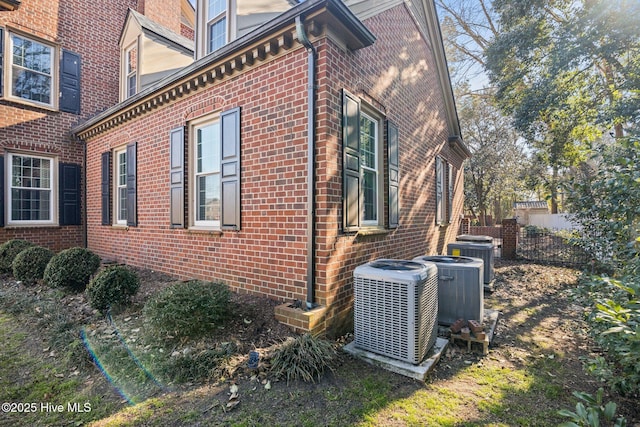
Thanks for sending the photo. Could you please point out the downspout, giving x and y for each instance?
(311, 131)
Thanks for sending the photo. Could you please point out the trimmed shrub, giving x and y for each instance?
(8, 252)
(304, 357)
(29, 265)
(71, 269)
(187, 310)
(115, 284)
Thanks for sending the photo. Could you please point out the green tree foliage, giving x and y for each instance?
(493, 174)
(566, 71)
(605, 201)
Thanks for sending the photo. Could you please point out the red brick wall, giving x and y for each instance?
(92, 32)
(268, 255)
(164, 12)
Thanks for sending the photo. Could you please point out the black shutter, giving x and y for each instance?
(176, 173)
(1, 64)
(132, 195)
(70, 82)
(230, 167)
(350, 161)
(2, 201)
(69, 194)
(394, 174)
(106, 188)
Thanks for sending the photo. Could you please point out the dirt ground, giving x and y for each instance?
(537, 320)
(539, 328)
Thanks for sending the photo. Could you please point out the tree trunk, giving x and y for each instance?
(554, 191)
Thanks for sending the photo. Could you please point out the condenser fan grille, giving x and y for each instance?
(394, 319)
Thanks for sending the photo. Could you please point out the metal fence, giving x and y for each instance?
(551, 247)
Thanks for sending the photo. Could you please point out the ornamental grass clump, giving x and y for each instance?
(305, 357)
(9, 250)
(71, 269)
(187, 310)
(29, 265)
(115, 285)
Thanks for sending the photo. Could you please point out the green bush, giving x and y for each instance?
(29, 265)
(114, 285)
(187, 310)
(592, 412)
(8, 252)
(304, 357)
(71, 269)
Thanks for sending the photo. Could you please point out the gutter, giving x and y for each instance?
(311, 131)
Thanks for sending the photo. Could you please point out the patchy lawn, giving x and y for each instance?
(58, 353)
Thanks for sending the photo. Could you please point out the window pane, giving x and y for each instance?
(31, 55)
(217, 34)
(122, 168)
(208, 198)
(132, 60)
(368, 142)
(208, 148)
(31, 71)
(216, 7)
(30, 85)
(30, 205)
(131, 85)
(370, 195)
(122, 204)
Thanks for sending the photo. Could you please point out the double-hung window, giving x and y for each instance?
(36, 72)
(119, 194)
(364, 191)
(445, 179)
(131, 70)
(120, 180)
(369, 142)
(32, 70)
(207, 174)
(217, 24)
(212, 166)
(31, 187)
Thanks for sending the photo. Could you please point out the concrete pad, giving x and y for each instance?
(421, 371)
(418, 372)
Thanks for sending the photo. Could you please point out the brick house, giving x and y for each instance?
(57, 68)
(292, 150)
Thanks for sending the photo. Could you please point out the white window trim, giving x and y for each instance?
(193, 175)
(53, 179)
(379, 199)
(8, 70)
(117, 186)
(202, 27)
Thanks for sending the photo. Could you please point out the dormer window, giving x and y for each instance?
(131, 67)
(216, 24)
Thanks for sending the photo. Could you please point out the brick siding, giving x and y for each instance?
(71, 25)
